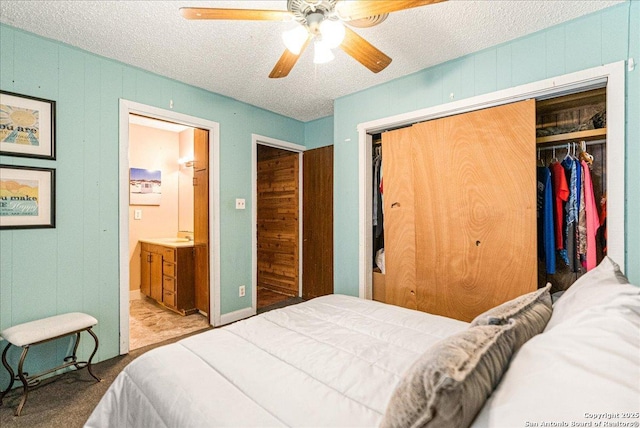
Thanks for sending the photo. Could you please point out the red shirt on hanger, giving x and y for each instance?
(561, 194)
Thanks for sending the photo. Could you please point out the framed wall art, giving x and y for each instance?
(27, 126)
(145, 186)
(27, 197)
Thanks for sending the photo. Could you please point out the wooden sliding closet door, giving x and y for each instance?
(475, 209)
(399, 218)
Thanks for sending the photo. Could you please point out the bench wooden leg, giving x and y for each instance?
(12, 375)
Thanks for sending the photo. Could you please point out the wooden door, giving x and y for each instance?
(317, 224)
(277, 220)
(475, 204)
(201, 219)
(399, 218)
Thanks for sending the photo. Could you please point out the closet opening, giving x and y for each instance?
(278, 226)
(571, 143)
(377, 232)
(576, 117)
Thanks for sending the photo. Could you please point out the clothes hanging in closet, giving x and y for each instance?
(561, 193)
(592, 220)
(568, 219)
(377, 212)
(546, 239)
(571, 213)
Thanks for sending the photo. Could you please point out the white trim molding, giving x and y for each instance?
(129, 107)
(237, 315)
(279, 144)
(611, 75)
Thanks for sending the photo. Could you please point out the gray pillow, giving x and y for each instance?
(530, 312)
(449, 383)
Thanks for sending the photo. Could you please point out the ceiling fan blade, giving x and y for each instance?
(235, 14)
(286, 62)
(364, 52)
(350, 10)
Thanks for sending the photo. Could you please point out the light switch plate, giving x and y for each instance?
(240, 204)
(137, 214)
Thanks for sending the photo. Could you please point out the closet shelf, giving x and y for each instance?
(589, 134)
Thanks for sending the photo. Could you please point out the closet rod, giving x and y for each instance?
(564, 146)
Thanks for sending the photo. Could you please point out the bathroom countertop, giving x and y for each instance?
(169, 242)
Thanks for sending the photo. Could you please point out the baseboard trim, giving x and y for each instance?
(135, 295)
(237, 315)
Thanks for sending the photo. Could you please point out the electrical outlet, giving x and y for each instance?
(239, 204)
(241, 291)
(137, 214)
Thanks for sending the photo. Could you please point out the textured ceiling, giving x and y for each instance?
(234, 58)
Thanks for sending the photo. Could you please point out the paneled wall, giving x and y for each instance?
(604, 37)
(74, 267)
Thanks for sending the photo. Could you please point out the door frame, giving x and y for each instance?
(612, 76)
(278, 144)
(130, 107)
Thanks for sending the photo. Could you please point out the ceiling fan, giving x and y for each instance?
(320, 21)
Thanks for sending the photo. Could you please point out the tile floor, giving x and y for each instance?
(151, 323)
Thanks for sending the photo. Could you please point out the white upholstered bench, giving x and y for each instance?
(41, 331)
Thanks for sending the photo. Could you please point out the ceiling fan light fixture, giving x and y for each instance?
(322, 53)
(332, 32)
(295, 38)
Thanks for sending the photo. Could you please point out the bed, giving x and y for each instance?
(343, 361)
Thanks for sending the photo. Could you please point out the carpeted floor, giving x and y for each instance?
(66, 401)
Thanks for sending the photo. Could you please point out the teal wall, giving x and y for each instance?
(607, 36)
(318, 133)
(74, 267)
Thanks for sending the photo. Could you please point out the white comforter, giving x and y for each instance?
(332, 361)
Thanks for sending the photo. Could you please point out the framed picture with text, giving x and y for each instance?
(27, 126)
(27, 197)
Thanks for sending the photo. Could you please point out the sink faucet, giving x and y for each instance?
(189, 237)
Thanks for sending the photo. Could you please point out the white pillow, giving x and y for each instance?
(585, 366)
(598, 286)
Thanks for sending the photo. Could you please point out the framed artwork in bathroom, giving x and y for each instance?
(145, 186)
(27, 126)
(27, 197)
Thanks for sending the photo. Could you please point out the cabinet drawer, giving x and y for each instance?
(169, 254)
(152, 248)
(168, 283)
(169, 298)
(169, 269)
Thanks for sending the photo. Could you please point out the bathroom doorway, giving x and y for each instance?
(169, 234)
(165, 279)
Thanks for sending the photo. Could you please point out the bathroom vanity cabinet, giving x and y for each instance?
(167, 274)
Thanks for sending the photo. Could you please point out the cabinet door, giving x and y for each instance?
(399, 218)
(201, 238)
(145, 273)
(475, 202)
(155, 276)
(200, 149)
